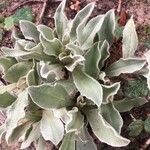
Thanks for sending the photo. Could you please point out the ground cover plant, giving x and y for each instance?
(59, 87)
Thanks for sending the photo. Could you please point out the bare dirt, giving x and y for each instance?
(140, 9)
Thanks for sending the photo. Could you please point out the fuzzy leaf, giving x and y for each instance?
(88, 86)
(85, 141)
(21, 68)
(9, 22)
(33, 135)
(68, 143)
(60, 20)
(46, 32)
(51, 127)
(76, 121)
(107, 29)
(32, 77)
(51, 47)
(86, 37)
(41, 144)
(92, 58)
(147, 125)
(6, 100)
(128, 103)
(29, 30)
(49, 96)
(128, 65)
(109, 91)
(112, 116)
(81, 18)
(135, 128)
(104, 53)
(6, 63)
(101, 129)
(130, 39)
(15, 113)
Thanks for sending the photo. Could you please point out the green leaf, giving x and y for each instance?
(33, 135)
(136, 127)
(136, 88)
(24, 13)
(48, 96)
(41, 144)
(107, 29)
(130, 39)
(6, 63)
(29, 30)
(104, 53)
(86, 36)
(81, 18)
(128, 103)
(128, 65)
(112, 116)
(84, 83)
(61, 20)
(19, 131)
(15, 113)
(109, 91)
(68, 143)
(147, 125)
(104, 132)
(76, 121)
(46, 32)
(9, 23)
(21, 68)
(85, 141)
(51, 47)
(92, 58)
(6, 99)
(51, 127)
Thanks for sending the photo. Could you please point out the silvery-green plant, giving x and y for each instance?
(58, 83)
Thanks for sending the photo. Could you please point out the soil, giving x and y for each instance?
(140, 11)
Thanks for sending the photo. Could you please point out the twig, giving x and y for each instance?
(42, 12)
(26, 2)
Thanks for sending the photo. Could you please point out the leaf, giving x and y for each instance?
(46, 32)
(86, 37)
(15, 113)
(76, 121)
(6, 63)
(92, 58)
(128, 103)
(49, 96)
(112, 116)
(109, 91)
(147, 56)
(7, 88)
(128, 65)
(135, 128)
(21, 68)
(104, 53)
(136, 88)
(1, 35)
(51, 127)
(51, 47)
(84, 83)
(81, 18)
(147, 125)
(107, 29)
(68, 143)
(41, 144)
(85, 142)
(32, 136)
(32, 77)
(29, 30)
(6, 99)
(130, 39)
(24, 13)
(61, 20)
(101, 129)
(9, 23)
(19, 131)
(2, 130)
